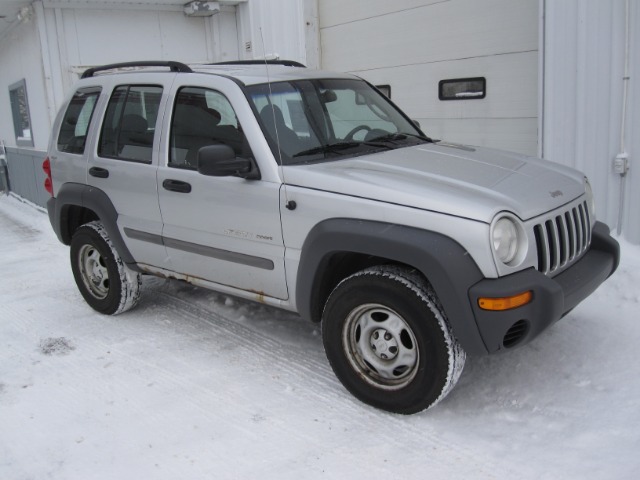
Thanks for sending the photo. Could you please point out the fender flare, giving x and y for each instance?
(95, 200)
(444, 262)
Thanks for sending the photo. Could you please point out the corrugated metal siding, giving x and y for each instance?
(583, 89)
(26, 175)
(413, 44)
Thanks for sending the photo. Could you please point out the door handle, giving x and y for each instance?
(176, 186)
(99, 172)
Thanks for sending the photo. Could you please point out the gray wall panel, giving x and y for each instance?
(25, 174)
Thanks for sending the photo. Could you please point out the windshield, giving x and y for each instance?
(316, 120)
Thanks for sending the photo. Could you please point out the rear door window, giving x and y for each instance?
(129, 124)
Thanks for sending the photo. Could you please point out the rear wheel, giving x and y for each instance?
(389, 342)
(105, 282)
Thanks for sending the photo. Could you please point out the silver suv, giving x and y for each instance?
(312, 192)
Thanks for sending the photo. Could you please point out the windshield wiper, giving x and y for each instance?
(336, 148)
(393, 137)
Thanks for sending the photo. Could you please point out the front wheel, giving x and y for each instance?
(388, 340)
(105, 282)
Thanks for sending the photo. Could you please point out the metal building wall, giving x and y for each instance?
(61, 40)
(582, 98)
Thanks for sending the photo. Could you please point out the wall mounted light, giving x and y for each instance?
(201, 9)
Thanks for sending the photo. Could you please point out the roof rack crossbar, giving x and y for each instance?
(286, 63)
(173, 66)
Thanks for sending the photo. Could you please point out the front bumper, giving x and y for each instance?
(552, 297)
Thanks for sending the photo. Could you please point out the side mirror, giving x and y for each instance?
(416, 123)
(221, 161)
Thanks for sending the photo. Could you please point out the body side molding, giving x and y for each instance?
(220, 254)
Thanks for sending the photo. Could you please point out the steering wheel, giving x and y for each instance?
(355, 130)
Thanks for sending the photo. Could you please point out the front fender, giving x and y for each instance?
(445, 263)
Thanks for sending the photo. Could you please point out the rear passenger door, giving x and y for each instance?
(222, 229)
(124, 164)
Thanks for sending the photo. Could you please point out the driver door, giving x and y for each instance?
(221, 229)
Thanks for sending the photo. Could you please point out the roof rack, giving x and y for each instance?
(286, 63)
(173, 66)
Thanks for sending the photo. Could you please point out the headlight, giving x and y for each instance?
(504, 238)
(591, 202)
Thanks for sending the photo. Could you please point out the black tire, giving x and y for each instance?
(388, 340)
(105, 282)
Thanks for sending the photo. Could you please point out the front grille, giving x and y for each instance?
(562, 238)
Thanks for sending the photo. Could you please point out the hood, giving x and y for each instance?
(475, 183)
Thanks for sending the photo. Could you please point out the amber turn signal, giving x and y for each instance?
(505, 303)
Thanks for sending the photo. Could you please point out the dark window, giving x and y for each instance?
(203, 117)
(20, 111)
(129, 123)
(76, 120)
(462, 89)
(385, 89)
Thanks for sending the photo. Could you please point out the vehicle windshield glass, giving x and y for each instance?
(329, 119)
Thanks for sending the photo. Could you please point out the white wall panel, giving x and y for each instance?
(274, 28)
(222, 36)
(513, 134)
(96, 37)
(413, 44)
(17, 53)
(511, 97)
(583, 70)
(442, 31)
(340, 12)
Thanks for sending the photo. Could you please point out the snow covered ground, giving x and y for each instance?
(196, 385)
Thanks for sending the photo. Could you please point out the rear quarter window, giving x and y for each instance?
(72, 137)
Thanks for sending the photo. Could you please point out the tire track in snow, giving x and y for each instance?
(27, 327)
(331, 400)
(19, 228)
(109, 401)
(267, 348)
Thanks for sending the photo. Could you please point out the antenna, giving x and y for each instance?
(290, 204)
